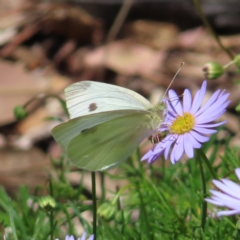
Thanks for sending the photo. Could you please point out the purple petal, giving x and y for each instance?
(237, 171)
(188, 145)
(228, 197)
(175, 102)
(91, 237)
(215, 109)
(69, 238)
(83, 236)
(204, 130)
(228, 213)
(222, 93)
(199, 137)
(209, 103)
(223, 97)
(229, 187)
(215, 102)
(206, 118)
(199, 98)
(172, 113)
(155, 157)
(193, 141)
(215, 202)
(180, 148)
(177, 149)
(163, 128)
(210, 125)
(147, 155)
(187, 100)
(167, 150)
(228, 201)
(173, 154)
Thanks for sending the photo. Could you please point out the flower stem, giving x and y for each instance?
(204, 204)
(228, 64)
(144, 212)
(102, 178)
(94, 205)
(122, 213)
(51, 223)
(205, 159)
(51, 212)
(46, 96)
(210, 29)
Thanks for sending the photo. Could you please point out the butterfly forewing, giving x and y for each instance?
(88, 97)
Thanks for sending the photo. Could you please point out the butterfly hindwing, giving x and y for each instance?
(65, 132)
(105, 144)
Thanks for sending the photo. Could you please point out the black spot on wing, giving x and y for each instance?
(92, 107)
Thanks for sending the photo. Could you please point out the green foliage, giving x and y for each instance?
(163, 201)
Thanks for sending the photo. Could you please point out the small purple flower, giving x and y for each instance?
(188, 123)
(228, 196)
(84, 236)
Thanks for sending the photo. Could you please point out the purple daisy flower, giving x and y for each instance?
(84, 237)
(188, 123)
(228, 196)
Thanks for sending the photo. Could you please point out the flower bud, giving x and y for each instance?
(123, 217)
(238, 107)
(213, 70)
(47, 203)
(106, 211)
(20, 112)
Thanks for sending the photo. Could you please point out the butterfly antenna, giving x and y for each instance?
(173, 79)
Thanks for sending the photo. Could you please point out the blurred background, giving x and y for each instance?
(47, 45)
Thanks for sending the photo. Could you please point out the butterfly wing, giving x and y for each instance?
(105, 144)
(88, 97)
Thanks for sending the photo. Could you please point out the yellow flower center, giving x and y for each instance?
(183, 124)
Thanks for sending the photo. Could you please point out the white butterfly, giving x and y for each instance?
(107, 123)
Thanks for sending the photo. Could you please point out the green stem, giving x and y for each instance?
(204, 204)
(205, 159)
(102, 177)
(94, 205)
(51, 223)
(44, 97)
(51, 211)
(148, 230)
(122, 213)
(50, 187)
(210, 29)
(229, 64)
(12, 225)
